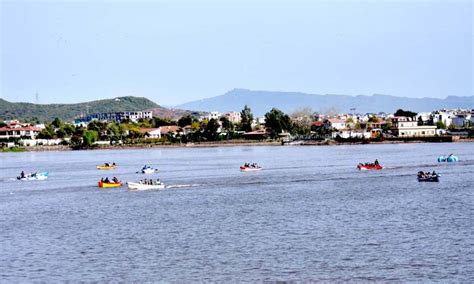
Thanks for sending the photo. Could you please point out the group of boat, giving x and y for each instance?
(421, 176)
(149, 184)
(145, 184)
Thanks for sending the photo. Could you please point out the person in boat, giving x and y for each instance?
(106, 180)
(102, 180)
(376, 163)
(113, 164)
(434, 174)
(115, 180)
(22, 174)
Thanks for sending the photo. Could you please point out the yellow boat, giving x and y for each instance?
(106, 167)
(109, 184)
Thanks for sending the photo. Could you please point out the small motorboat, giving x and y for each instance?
(34, 176)
(147, 170)
(369, 167)
(102, 184)
(138, 186)
(432, 178)
(250, 169)
(449, 159)
(106, 167)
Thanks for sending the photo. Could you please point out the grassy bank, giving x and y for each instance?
(13, 149)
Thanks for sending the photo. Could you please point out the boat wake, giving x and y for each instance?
(182, 185)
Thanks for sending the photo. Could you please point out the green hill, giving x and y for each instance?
(47, 112)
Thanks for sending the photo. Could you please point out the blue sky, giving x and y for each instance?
(177, 51)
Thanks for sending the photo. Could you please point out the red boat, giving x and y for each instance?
(369, 167)
(250, 169)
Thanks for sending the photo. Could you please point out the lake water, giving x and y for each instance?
(309, 215)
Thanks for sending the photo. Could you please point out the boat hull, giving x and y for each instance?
(105, 167)
(148, 171)
(448, 159)
(108, 185)
(370, 168)
(247, 169)
(429, 179)
(140, 187)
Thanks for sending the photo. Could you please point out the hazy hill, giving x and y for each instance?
(27, 111)
(263, 101)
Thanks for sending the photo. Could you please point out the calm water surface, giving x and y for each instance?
(309, 215)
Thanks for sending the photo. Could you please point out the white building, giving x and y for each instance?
(407, 127)
(151, 133)
(234, 117)
(335, 123)
(18, 132)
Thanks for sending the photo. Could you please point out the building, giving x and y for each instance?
(17, 132)
(349, 133)
(152, 133)
(115, 116)
(169, 130)
(335, 123)
(234, 117)
(212, 115)
(408, 127)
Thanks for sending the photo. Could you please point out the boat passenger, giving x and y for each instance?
(376, 162)
(22, 174)
(113, 164)
(115, 180)
(106, 180)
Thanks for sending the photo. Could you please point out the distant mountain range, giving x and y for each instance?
(47, 112)
(262, 101)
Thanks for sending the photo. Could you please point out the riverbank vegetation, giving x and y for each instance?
(276, 125)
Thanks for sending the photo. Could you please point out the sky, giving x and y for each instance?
(178, 51)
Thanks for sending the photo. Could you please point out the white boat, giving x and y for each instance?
(141, 186)
(148, 170)
(34, 176)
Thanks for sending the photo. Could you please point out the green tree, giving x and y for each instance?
(277, 121)
(407, 113)
(89, 137)
(227, 125)
(211, 129)
(185, 120)
(246, 119)
(56, 123)
(157, 122)
(47, 133)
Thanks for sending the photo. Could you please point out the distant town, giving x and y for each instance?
(299, 127)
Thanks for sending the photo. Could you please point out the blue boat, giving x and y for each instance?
(450, 159)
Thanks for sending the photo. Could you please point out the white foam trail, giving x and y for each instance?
(182, 185)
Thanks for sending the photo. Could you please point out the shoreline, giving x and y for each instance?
(218, 144)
